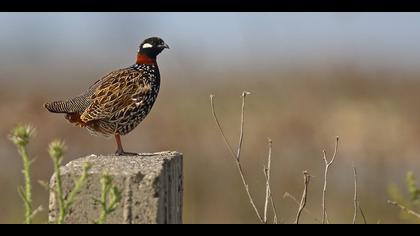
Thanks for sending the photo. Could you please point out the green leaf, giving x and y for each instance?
(412, 186)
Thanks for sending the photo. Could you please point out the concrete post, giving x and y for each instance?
(152, 186)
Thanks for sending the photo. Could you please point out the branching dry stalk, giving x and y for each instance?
(273, 206)
(268, 195)
(288, 195)
(306, 179)
(324, 190)
(409, 211)
(237, 156)
(220, 127)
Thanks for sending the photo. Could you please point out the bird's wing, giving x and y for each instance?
(113, 93)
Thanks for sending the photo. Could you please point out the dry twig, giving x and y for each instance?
(220, 127)
(268, 195)
(356, 200)
(362, 213)
(324, 190)
(288, 195)
(237, 157)
(306, 179)
(409, 211)
(355, 195)
(273, 206)
(241, 135)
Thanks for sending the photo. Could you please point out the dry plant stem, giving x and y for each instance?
(355, 195)
(268, 193)
(273, 206)
(219, 126)
(251, 200)
(362, 213)
(409, 211)
(306, 179)
(275, 218)
(237, 157)
(286, 194)
(267, 183)
(324, 190)
(241, 136)
(356, 200)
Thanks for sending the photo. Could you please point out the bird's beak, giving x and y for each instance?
(164, 46)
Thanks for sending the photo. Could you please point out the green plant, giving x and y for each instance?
(20, 136)
(410, 205)
(412, 188)
(56, 150)
(111, 192)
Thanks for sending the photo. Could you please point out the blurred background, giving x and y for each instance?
(313, 76)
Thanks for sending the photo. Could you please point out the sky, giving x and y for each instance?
(211, 40)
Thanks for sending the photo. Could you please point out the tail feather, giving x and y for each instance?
(57, 106)
(77, 104)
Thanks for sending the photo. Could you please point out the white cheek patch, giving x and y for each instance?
(147, 45)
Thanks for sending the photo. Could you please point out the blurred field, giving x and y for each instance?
(301, 108)
(377, 122)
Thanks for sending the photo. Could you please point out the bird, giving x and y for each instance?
(119, 101)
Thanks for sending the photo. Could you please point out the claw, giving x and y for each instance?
(120, 151)
(123, 153)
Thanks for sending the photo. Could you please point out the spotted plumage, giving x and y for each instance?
(119, 101)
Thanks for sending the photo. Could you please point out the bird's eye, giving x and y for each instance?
(147, 45)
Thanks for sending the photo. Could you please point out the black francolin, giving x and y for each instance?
(119, 101)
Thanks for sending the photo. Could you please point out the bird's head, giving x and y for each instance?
(151, 47)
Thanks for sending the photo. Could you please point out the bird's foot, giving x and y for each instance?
(123, 153)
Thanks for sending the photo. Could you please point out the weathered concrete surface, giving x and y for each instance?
(152, 186)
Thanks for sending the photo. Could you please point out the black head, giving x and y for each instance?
(152, 47)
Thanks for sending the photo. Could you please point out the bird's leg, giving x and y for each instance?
(120, 151)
